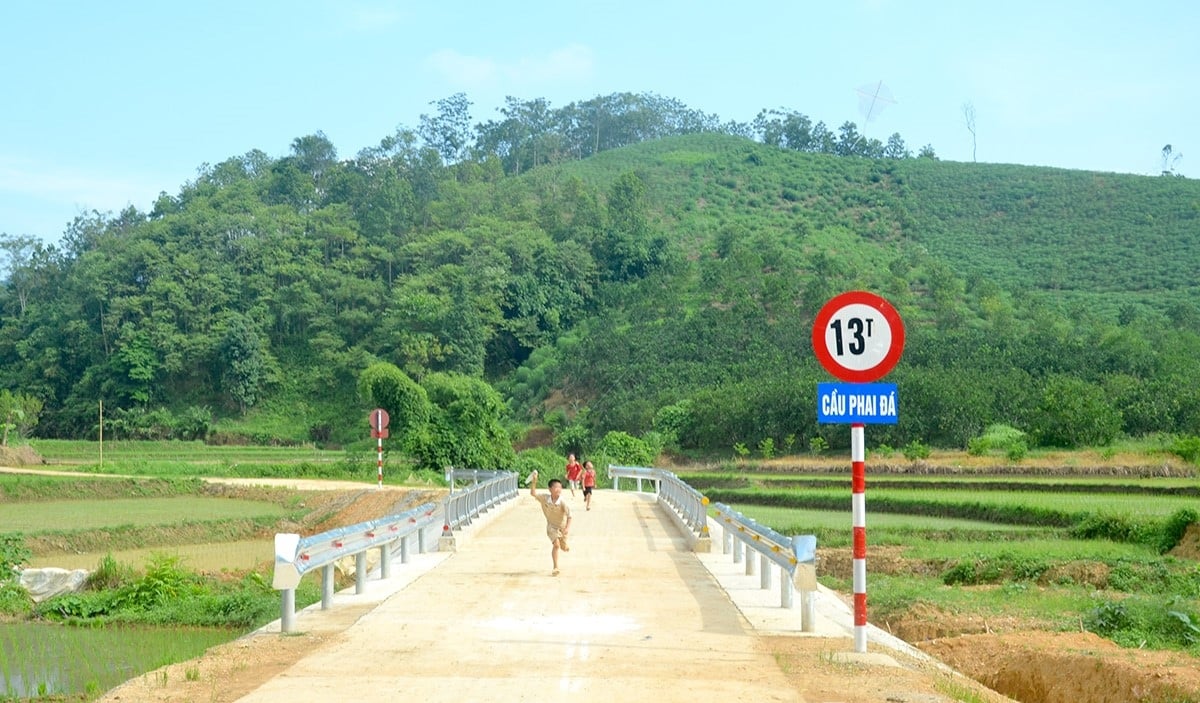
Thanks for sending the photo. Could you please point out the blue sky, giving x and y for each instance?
(104, 105)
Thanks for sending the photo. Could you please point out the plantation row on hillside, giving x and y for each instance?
(667, 286)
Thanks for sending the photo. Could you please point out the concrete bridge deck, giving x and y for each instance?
(635, 615)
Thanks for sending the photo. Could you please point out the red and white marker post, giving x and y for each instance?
(858, 337)
(378, 419)
(858, 509)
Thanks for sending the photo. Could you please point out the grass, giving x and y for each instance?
(800, 521)
(68, 451)
(178, 459)
(1097, 484)
(52, 660)
(1143, 505)
(208, 557)
(957, 691)
(1058, 607)
(1054, 573)
(92, 514)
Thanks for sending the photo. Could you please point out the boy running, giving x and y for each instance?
(558, 516)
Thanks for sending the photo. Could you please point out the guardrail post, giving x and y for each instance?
(764, 581)
(749, 561)
(808, 611)
(737, 551)
(421, 549)
(360, 573)
(287, 610)
(726, 540)
(786, 589)
(327, 587)
(385, 560)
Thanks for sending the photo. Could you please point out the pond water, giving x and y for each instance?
(38, 659)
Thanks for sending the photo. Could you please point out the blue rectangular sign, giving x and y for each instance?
(868, 403)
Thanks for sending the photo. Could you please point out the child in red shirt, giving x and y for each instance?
(574, 473)
(589, 483)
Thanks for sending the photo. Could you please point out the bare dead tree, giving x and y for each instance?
(969, 115)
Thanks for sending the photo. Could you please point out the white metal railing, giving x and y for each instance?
(688, 505)
(795, 556)
(488, 488)
(296, 556)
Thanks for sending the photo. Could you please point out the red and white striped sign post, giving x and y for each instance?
(858, 337)
(858, 509)
(378, 419)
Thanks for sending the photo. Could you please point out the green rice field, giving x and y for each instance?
(93, 514)
(39, 660)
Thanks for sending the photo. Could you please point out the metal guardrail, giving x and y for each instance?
(296, 556)
(489, 488)
(688, 504)
(796, 556)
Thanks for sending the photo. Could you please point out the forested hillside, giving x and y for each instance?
(663, 280)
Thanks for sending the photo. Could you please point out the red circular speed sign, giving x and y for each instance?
(378, 418)
(858, 337)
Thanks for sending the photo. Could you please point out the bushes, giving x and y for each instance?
(1074, 413)
(1175, 527)
(1158, 623)
(166, 593)
(1118, 528)
(1186, 448)
(1000, 438)
(980, 569)
(625, 449)
(915, 451)
(547, 462)
(13, 555)
(190, 424)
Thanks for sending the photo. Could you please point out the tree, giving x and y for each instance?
(895, 148)
(15, 256)
(628, 249)
(1074, 413)
(243, 363)
(789, 130)
(384, 385)
(18, 413)
(449, 131)
(969, 116)
(465, 425)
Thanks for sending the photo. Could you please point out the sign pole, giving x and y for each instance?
(378, 422)
(858, 505)
(858, 337)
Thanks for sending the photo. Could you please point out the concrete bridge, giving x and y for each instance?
(635, 615)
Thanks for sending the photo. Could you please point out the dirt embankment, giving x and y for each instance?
(1029, 661)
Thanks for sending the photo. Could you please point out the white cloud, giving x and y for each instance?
(570, 63)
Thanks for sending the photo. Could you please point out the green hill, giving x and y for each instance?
(667, 285)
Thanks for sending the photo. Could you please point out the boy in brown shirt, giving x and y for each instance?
(558, 516)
